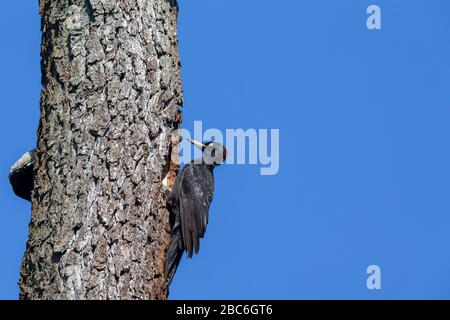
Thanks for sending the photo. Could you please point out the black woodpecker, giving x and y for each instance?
(189, 203)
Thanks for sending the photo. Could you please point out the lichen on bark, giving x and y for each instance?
(110, 105)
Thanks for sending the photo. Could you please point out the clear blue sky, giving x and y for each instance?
(365, 145)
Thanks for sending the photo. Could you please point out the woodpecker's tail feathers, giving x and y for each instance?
(173, 256)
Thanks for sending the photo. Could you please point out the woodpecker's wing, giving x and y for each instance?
(195, 199)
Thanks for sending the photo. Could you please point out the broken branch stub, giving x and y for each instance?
(21, 175)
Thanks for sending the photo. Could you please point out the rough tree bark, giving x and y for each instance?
(110, 106)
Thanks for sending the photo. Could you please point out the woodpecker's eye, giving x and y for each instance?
(214, 153)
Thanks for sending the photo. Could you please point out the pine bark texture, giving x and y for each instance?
(110, 109)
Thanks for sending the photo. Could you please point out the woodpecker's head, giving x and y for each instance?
(213, 153)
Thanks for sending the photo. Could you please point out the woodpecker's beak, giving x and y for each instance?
(199, 145)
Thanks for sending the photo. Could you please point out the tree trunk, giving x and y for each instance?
(110, 106)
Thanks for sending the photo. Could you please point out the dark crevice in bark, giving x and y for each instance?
(89, 10)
